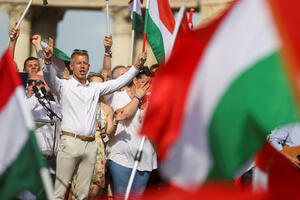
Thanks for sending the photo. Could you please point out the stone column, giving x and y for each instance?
(23, 46)
(44, 22)
(121, 35)
(210, 9)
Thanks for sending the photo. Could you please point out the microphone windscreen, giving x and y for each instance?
(35, 89)
(44, 91)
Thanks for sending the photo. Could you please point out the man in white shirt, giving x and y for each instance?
(79, 100)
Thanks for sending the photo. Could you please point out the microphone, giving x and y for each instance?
(46, 94)
(36, 92)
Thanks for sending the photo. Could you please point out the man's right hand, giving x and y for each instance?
(108, 42)
(36, 40)
(294, 161)
(48, 51)
(15, 33)
(141, 60)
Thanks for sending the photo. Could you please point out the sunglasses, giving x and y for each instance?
(37, 82)
(80, 51)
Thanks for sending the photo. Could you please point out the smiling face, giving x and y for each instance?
(80, 66)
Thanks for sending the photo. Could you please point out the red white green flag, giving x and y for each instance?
(225, 87)
(159, 27)
(21, 164)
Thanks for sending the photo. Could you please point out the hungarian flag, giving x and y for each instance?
(225, 87)
(159, 27)
(60, 60)
(21, 164)
(136, 15)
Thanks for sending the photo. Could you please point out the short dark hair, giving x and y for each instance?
(94, 74)
(154, 66)
(115, 68)
(79, 52)
(29, 59)
(143, 71)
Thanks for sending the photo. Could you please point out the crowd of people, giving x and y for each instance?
(87, 124)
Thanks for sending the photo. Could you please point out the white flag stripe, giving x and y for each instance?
(12, 132)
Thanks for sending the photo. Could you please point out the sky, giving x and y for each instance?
(79, 29)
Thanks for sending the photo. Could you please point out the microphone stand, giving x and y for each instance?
(51, 114)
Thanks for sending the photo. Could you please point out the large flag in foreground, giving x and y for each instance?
(225, 87)
(159, 27)
(20, 160)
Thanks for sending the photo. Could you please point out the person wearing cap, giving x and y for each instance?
(79, 100)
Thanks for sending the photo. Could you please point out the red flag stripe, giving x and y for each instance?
(9, 78)
(166, 15)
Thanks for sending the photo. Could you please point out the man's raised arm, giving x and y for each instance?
(106, 71)
(49, 73)
(116, 84)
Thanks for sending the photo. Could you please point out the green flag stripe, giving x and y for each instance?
(154, 38)
(263, 98)
(137, 23)
(61, 55)
(25, 171)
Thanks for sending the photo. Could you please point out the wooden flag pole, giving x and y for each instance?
(22, 17)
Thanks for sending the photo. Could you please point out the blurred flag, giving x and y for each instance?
(136, 15)
(21, 164)
(225, 87)
(159, 27)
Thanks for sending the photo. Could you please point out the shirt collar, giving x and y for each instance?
(76, 83)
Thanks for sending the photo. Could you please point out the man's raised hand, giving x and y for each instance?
(108, 43)
(141, 60)
(14, 34)
(48, 51)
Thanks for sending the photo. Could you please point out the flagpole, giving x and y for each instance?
(107, 17)
(132, 36)
(145, 26)
(22, 17)
(176, 29)
(132, 47)
(191, 19)
(137, 159)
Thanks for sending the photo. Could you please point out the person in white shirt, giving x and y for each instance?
(79, 99)
(47, 133)
(122, 148)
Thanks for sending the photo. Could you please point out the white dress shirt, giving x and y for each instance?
(79, 102)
